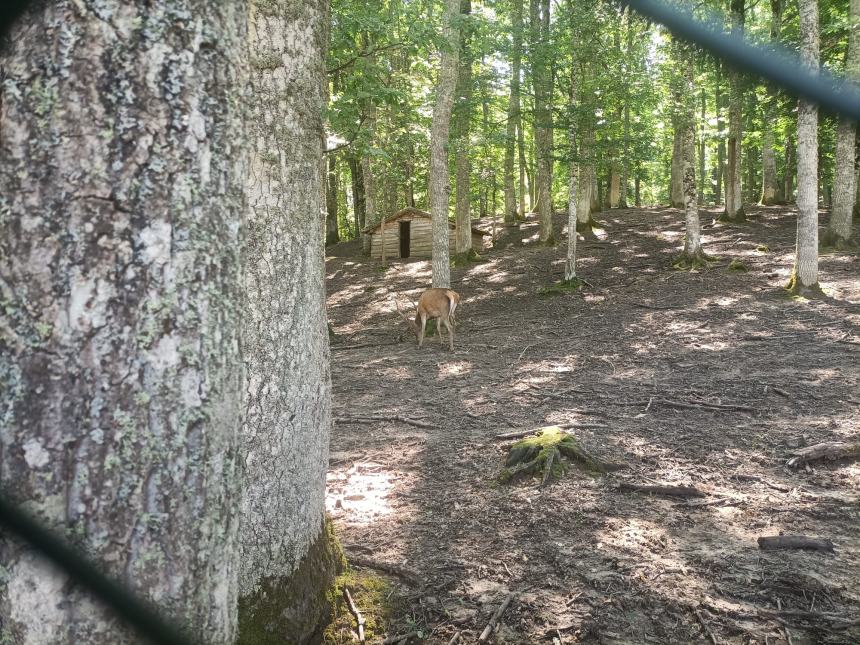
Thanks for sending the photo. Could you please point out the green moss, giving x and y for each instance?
(463, 259)
(373, 596)
(562, 287)
(738, 217)
(795, 289)
(737, 266)
(297, 608)
(763, 248)
(529, 457)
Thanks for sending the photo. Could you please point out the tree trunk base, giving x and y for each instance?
(586, 229)
(691, 261)
(562, 287)
(795, 288)
(737, 218)
(462, 259)
(832, 241)
(548, 455)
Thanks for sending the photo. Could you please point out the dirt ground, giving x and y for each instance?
(708, 379)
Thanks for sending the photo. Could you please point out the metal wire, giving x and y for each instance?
(148, 622)
(783, 69)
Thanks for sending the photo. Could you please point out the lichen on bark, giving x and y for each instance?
(120, 375)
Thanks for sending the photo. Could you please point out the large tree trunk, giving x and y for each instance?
(844, 188)
(332, 236)
(788, 179)
(120, 365)
(734, 196)
(687, 125)
(805, 274)
(513, 115)
(462, 117)
(523, 167)
(769, 182)
(440, 185)
(542, 80)
(286, 564)
(677, 174)
(702, 141)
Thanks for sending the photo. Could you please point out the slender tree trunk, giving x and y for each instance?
(721, 141)
(677, 177)
(370, 206)
(805, 274)
(531, 173)
(440, 185)
(637, 196)
(769, 181)
(625, 158)
(357, 179)
(332, 235)
(513, 115)
(845, 189)
(573, 182)
(701, 195)
(121, 374)
(788, 180)
(542, 81)
(687, 118)
(462, 130)
(523, 166)
(734, 196)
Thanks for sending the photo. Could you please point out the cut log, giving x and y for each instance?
(794, 542)
(669, 491)
(831, 450)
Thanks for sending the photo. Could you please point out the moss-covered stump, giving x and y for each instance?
(547, 455)
(794, 288)
(737, 266)
(295, 609)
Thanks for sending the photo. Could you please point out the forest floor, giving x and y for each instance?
(709, 379)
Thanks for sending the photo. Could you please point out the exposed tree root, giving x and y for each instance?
(737, 218)
(547, 454)
(691, 261)
(795, 288)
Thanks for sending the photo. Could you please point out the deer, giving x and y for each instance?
(434, 303)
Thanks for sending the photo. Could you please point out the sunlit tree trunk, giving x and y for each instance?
(440, 185)
(734, 196)
(573, 181)
(513, 115)
(687, 125)
(122, 181)
(357, 182)
(285, 344)
(542, 81)
(677, 176)
(521, 149)
(805, 274)
(788, 179)
(332, 235)
(769, 181)
(844, 189)
(721, 141)
(462, 117)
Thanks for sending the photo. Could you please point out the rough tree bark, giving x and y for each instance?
(677, 173)
(285, 344)
(721, 145)
(769, 181)
(734, 196)
(357, 181)
(788, 178)
(370, 214)
(804, 277)
(513, 115)
(332, 235)
(573, 181)
(462, 117)
(542, 81)
(440, 185)
(693, 238)
(121, 199)
(838, 231)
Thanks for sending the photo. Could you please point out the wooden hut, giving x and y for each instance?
(409, 234)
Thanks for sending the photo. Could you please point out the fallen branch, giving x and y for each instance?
(397, 638)
(377, 417)
(495, 619)
(706, 627)
(454, 639)
(841, 621)
(794, 542)
(670, 491)
(832, 450)
(369, 563)
(754, 478)
(354, 611)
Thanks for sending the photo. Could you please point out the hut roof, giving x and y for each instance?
(414, 212)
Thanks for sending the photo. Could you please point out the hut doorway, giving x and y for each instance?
(404, 239)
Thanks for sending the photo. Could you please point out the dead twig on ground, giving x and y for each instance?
(371, 418)
(354, 611)
(369, 563)
(706, 627)
(670, 491)
(495, 619)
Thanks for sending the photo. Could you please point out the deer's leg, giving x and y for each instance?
(421, 332)
(439, 330)
(450, 334)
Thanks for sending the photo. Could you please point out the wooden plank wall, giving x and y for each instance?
(421, 245)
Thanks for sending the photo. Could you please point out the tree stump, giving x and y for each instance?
(548, 454)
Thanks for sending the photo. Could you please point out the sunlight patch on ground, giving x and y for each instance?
(359, 494)
(453, 369)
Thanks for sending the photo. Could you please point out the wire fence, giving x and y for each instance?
(783, 69)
